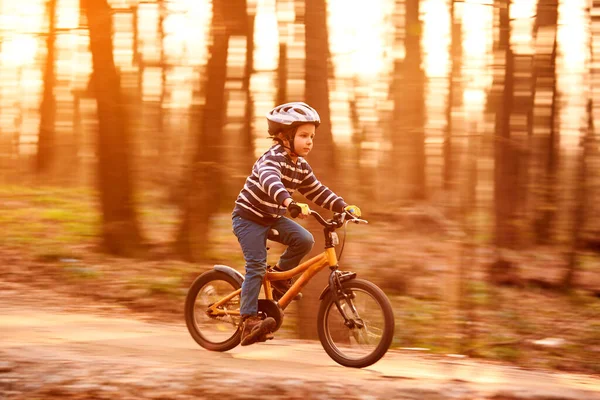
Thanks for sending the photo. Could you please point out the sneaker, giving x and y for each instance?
(256, 330)
(280, 287)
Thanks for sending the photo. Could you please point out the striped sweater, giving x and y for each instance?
(275, 177)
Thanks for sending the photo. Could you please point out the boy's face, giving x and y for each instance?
(303, 141)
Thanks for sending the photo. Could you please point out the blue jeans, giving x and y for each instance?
(253, 239)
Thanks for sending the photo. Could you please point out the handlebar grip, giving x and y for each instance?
(294, 210)
(350, 215)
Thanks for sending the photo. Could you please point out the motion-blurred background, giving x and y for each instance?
(465, 130)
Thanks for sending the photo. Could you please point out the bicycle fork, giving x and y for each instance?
(337, 290)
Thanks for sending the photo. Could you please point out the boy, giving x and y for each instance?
(263, 201)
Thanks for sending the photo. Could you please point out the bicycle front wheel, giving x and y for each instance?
(368, 335)
(213, 332)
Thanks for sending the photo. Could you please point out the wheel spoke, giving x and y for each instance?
(220, 328)
(369, 337)
(359, 341)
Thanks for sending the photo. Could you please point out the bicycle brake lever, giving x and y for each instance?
(347, 217)
(358, 221)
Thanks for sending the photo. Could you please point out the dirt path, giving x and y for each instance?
(67, 350)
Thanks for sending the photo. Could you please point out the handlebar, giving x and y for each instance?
(336, 222)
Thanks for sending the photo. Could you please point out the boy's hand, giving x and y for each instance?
(301, 210)
(354, 210)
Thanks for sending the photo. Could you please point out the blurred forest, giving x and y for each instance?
(474, 118)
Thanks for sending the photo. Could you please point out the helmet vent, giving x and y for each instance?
(292, 114)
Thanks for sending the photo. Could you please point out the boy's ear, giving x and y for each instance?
(282, 137)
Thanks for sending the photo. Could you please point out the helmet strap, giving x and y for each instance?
(292, 149)
(290, 136)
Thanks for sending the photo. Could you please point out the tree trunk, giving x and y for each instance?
(545, 165)
(162, 136)
(592, 207)
(392, 130)
(204, 181)
(520, 127)
(409, 112)
(282, 75)
(455, 55)
(505, 172)
(247, 136)
(416, 105)
(587, 142)
(360, 183)
(321, 157)
(317, 90)
(505, 158)
(120, 231)
(46, 136)
(584, 196)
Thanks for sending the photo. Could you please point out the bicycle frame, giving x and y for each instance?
(308, 269)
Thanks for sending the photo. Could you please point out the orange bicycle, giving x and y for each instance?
(355, 321)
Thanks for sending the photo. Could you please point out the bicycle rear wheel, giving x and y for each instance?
(216, 333)
(372, 332)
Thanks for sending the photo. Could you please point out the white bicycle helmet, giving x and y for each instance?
(291, 114)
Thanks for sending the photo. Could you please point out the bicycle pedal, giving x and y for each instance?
(261, 332)
(265, 337)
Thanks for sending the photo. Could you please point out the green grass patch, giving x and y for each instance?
(479, 224)
(479, 292)
(170, 286)
(589, 262)
(58, 215)
(51, 201)
(506, 353)
(43, 217)
(420, 324)
(82, 229)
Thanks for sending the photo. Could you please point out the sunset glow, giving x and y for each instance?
(436, 37)
(359, 33)
(19, 50)
(477, 44)
(361, 38)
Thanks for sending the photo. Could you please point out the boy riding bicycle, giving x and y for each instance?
(264, 199)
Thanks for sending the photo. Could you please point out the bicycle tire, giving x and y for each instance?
(328, 312)
(202, 338)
